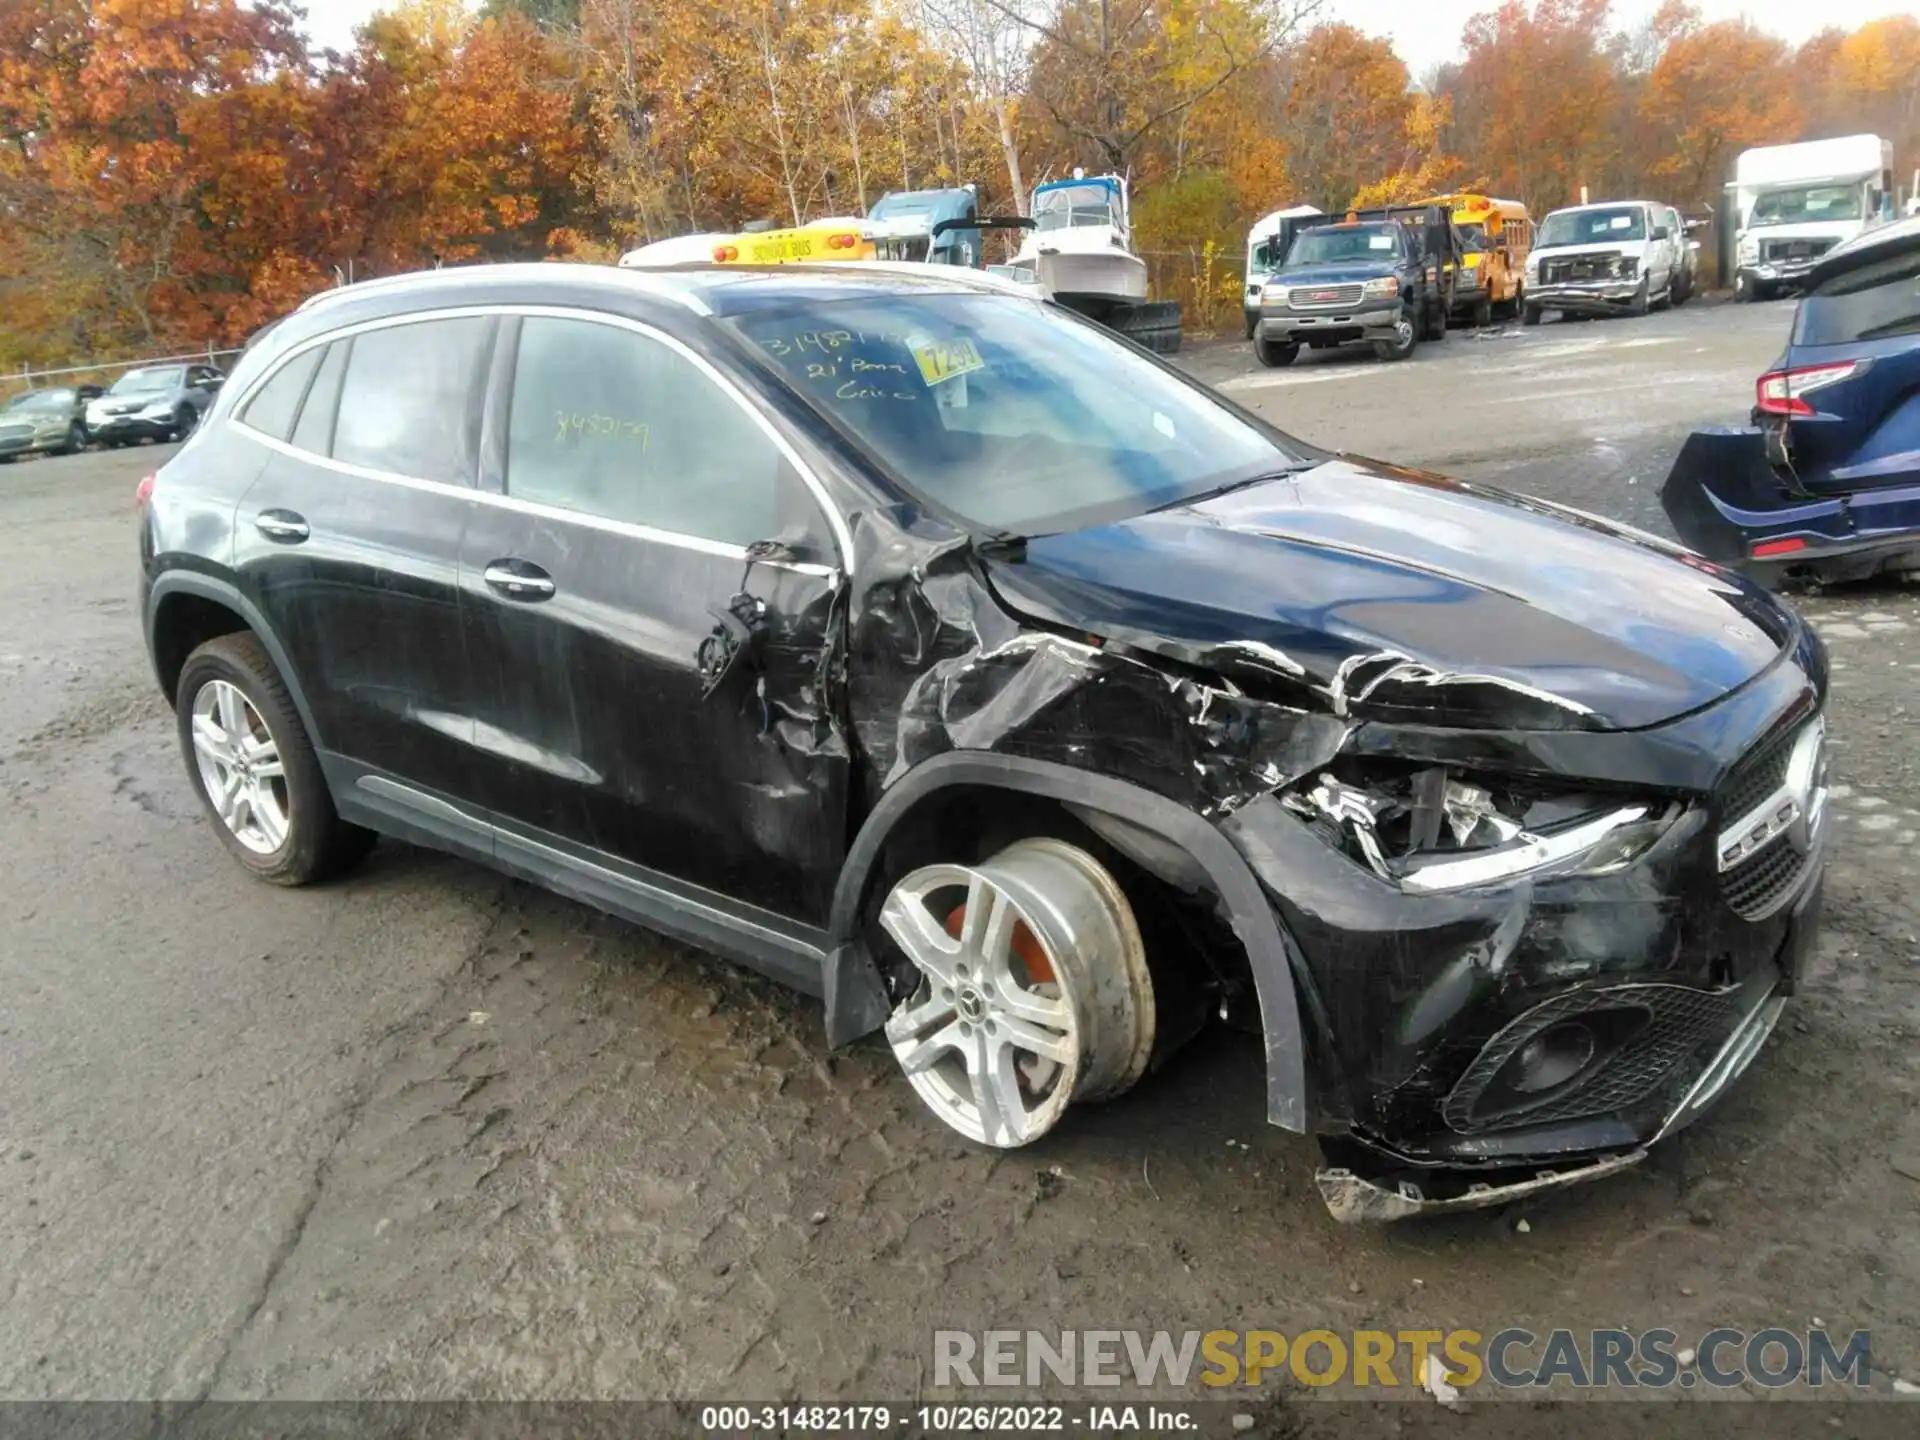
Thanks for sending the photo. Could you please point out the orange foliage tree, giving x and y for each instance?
(1714, 91)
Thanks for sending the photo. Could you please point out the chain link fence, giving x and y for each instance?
(33, 377)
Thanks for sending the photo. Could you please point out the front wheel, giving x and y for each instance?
(1275, 353)
(1639, 304)
(1030, 989)
(255, 768)
(1406, 335)
(1253, 324)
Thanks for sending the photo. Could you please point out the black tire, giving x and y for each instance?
(1530, 314)
(1154, 324)
(1641, 301)
(76, 440)
(1483, 312)
(1436, 322)
(184, 419)
(1253, 324)
(1682, 289)
(1276, 353)
(1407, 341)
(318, 844)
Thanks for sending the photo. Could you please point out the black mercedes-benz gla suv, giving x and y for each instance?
(914, 641)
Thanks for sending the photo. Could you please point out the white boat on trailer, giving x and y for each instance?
(1079, 252)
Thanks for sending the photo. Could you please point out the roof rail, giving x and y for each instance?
(653, 283)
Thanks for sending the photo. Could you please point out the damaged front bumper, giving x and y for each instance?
(1590, 296)
(1479, 1046)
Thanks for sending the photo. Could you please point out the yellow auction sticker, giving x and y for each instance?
(943, 359)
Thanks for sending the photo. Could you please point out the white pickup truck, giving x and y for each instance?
(1617, 257)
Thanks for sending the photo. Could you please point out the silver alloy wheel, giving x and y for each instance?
(1034, 990)
(240, 767)
(1402, 332)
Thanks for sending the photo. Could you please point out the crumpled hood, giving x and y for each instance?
(1383, 592)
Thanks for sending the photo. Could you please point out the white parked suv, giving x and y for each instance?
(1619, 256)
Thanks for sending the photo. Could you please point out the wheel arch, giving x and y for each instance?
(183, 613)
(856, 1000)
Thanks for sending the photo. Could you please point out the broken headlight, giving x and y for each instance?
(1434, 828)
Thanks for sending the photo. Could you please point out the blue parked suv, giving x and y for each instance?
(1826, 480)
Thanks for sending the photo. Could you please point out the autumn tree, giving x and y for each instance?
(1877, 71)
(1533, 99)
(1108, 76)
(1350, 119)
(1715, 90)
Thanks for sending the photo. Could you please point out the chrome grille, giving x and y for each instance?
(1777, 250)
(1580, 267)
(1755, 887)
(1324, 297)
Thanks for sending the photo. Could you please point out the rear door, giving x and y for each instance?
(653, 694)
(1855, 358)
(349, 540)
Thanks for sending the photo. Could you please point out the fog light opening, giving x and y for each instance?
(1552, 1058)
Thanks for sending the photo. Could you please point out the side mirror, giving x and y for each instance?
(1661, 232)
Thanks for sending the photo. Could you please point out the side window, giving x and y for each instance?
(619, 425)
(410, 401)
(315, 430)
(274, 404)
(1875, 302)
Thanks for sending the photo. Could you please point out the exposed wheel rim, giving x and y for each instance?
(1033, 989)
(1402, 334)
(240, 767)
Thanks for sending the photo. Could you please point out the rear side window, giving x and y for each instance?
(1875, 302)
(410, 401)
(616, 424)
(274, 404)
(315, 430)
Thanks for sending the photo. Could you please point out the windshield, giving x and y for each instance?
(1591, 227)
(1808, 202)
(1088, 204)
(1010, 415)
(146, 382)
(42, 400)
(1473, 235)
(1349, 242)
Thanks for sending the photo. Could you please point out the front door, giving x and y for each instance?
(349, 540)
(649, 601)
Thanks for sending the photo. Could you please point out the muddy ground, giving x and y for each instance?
(428, 1133)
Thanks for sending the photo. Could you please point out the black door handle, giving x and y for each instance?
(518, 580)
(283, 527)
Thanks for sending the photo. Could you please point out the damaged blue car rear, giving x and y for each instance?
(1025, 700)
(1825, 482)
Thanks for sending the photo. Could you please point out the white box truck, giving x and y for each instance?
(1793, 203)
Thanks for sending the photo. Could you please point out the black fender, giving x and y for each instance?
(856, 1000)
(225, 592)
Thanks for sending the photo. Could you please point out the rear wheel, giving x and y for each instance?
(255, 767)
(184, 419)
(1033, 990)
(1530, 314)
(1483, 312)
(1275, 353)
(1436, 326)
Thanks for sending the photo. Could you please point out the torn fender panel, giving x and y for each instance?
(940, 665)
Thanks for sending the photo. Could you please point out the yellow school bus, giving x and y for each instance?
(821, 240)
(1499, 234)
